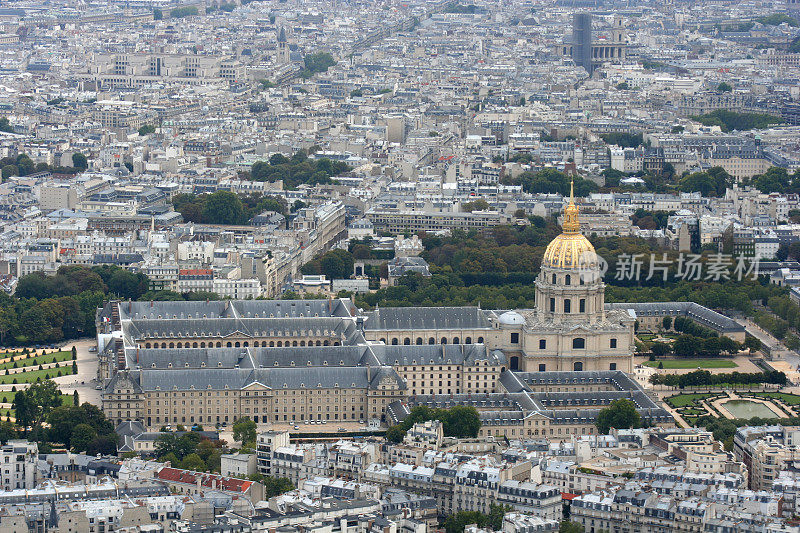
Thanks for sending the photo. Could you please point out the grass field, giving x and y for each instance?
(686, 400)
(692, 411)
(39, 360)
(677, 364)
(31, 376)
(788, 399)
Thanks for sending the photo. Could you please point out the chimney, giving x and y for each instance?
(151, 303)
(369, 373)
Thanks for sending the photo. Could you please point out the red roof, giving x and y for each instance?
(568, 496)
(210, 481)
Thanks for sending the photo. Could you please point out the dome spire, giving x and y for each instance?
(571, 223)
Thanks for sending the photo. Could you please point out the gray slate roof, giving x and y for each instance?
(408, 318)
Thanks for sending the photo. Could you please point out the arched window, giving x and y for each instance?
(468, 340)
(395, 342)
(229, 345)
(444, 340)
(554, 279)
(431, 340)
(578, 343)
(577, 367)
(456, 340)
(406, 341)
(179, 345)
(480, 340)
(419, 340)
(567, 279)
(147, 345)
(237, 345)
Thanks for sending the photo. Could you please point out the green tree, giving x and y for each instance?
(79, 161)
(276, 486)
(244, 431)
(475, 205)
(223, 207)
(147, 129)
(724, 87)
(568, 526)
(9, 171)
(660, 349)
(157, 14)
(314, 63)
(5, 126)
(33, 405)
(685, 346)
(82, 436)
(7, 431)
(462, 421)
(621, 414)
(193, 462)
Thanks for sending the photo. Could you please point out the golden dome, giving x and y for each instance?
(570, 250)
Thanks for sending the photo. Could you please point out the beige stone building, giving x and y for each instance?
(545, 371)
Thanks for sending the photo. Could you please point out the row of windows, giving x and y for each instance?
(567, 280)
(568, 305)
(237, 344)
(407, 341)
(578, 343)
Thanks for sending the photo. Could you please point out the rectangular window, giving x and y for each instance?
(515, 338)
(542, 344)
(613, 343)
(613, 366)
(582, 305)
(552, 305)
(567, 306)
(542, 367)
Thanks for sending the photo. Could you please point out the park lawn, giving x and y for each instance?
(692, 411)
(31, 376)
(686, 400)
(675, 364)
(39, 360)
(788, 399)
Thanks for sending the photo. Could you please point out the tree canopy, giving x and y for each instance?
(297, 170)
(461, 421)
(732, 120)
(713, 182)
(621, 414)
(551, 181)
(317, 62)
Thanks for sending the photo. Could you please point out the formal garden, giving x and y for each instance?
(735, 404)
